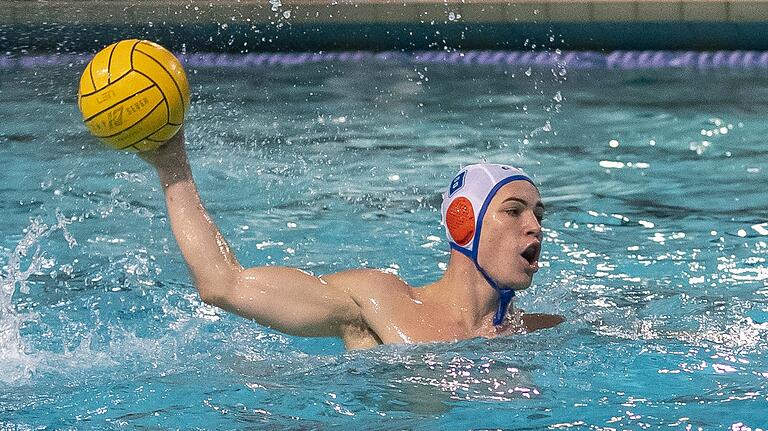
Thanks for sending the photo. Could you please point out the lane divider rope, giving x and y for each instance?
(621, 60)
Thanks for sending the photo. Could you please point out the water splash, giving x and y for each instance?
(14, 362)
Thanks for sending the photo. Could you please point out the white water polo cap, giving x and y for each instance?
(467, 199)
(464, 206)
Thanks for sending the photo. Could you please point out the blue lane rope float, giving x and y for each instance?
(620, 60)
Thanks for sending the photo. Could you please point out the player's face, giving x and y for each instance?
(510, 239)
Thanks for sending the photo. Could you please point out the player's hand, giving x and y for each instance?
(170, 154)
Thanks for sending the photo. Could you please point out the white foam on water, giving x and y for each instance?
(125, 351)
(15, 362)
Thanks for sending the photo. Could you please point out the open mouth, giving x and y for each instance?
(531, 253)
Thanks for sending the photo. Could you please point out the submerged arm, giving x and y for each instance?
(536, 321)
(286, 299)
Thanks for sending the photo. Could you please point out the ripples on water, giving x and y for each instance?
(656, 240)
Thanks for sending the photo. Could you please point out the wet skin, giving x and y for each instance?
(461, 304)
(363, 307)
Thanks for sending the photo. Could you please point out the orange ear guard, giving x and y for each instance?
(460, 221)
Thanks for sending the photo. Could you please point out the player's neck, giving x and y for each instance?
(465, 294)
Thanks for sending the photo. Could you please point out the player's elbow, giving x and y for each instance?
(210, 294)
(216, 292)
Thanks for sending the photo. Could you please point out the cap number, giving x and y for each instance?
(457, 183)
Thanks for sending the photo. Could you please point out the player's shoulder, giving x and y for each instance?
(372, 281)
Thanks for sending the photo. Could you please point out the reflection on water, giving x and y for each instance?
(655, 251)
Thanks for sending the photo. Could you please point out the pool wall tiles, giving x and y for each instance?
(384, 11)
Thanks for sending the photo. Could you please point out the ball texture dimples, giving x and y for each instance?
(133, 95)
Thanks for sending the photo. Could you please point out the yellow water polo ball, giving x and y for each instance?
(133, 95)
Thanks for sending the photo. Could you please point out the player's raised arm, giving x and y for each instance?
(134, 95)
(285, 299)
(206, 252)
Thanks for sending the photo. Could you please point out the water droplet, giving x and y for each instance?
(699, 147)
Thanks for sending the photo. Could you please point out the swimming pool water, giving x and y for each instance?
(655, 250)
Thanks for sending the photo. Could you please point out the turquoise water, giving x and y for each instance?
(655, 251)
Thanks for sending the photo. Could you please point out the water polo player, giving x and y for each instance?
(492, 215)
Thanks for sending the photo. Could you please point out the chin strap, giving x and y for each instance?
(505, 296)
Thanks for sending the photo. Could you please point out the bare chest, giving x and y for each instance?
(414, 323)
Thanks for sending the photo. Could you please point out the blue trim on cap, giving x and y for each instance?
(484, 208)
(505, 295)
(462, 250)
